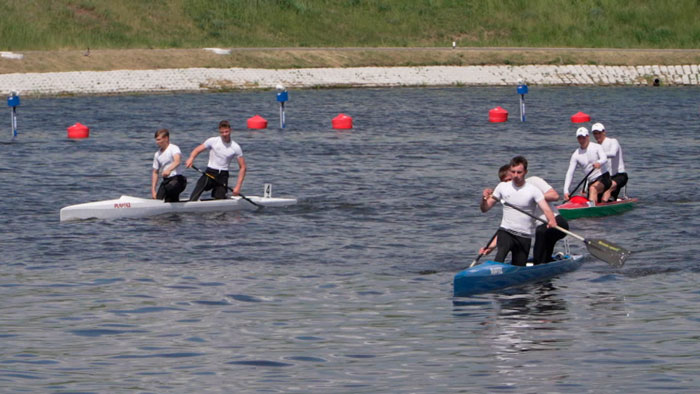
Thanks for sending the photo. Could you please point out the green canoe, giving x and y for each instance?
(577, 208)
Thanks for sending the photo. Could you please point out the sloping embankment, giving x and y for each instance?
(215, 79)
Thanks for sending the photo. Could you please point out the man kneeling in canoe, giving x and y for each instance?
(167, 161)
(545, 238)
(222, 150)
(591, 158)
(516, 230)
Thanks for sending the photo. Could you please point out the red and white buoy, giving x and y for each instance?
(497, 115)
(257, 122)
(78, 131)
(342, 121)
(580, 117)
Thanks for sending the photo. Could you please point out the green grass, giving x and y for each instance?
(105, 24)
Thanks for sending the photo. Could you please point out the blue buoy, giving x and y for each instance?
(282, 97)
(522, 91)
(13, 102)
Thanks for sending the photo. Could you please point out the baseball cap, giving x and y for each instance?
(224, 123)
(598, 127)
(582, 131)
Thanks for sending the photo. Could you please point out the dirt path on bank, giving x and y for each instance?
(284, 58)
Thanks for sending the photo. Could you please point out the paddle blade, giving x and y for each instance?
(476, 261)
(608, 252)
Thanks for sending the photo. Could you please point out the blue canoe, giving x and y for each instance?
(491, 276)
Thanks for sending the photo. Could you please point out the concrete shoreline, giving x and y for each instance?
(217, 79)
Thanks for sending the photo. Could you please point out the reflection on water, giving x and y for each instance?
(540, 300)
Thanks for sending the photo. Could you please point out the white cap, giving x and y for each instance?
(582, 131)
(598, 127)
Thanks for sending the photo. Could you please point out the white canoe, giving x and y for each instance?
(133, 207)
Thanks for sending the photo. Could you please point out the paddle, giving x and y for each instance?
(599, 248)
(579, 185)
(221, 184)
(476, 260)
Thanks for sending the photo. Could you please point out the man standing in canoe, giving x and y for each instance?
(167, 161)
(611, 147)
(222, 150)
(516, 230)
(592, 159)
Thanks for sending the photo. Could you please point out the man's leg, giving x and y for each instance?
(199, 188)
(551, 237)
(608, 193)
(521, 250)
(539, 251)
(593, 190)
(621, 180)
(503, 245)
(174, 187)
(220, 186)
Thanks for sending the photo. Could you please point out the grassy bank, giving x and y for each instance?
(151, 34)
(102, 24)
(280, 58)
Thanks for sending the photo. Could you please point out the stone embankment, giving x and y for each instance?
(209, 79)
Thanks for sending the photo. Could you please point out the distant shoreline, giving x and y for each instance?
(226, 79)
(128, 71)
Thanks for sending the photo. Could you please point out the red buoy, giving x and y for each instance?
(342, 121)
(257, 122)
(498, 114)
(580, 117)
(78, 130)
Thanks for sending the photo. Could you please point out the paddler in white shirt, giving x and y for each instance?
(545, 237)
(591, 158)
(166, 163)
(618, 176)
(516, 230)
(222, 150)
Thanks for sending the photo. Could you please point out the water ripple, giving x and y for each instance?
(351, 289)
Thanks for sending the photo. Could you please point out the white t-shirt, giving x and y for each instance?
(614, 152)
(584, 159)
(544, 187)
(165, 158)
(221, 154)
(524, 197)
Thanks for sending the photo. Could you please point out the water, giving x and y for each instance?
(350, 290)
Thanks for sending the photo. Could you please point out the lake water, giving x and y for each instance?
(350, 290)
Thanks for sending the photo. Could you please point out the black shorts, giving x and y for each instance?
(605, 180)
(620, 179)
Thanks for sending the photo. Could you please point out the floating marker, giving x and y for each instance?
(580, 117)
(13, 102)
(78, 131)
(342, 121)
(282, 97)
(497, 115)
(257, 122)
(522, 91)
